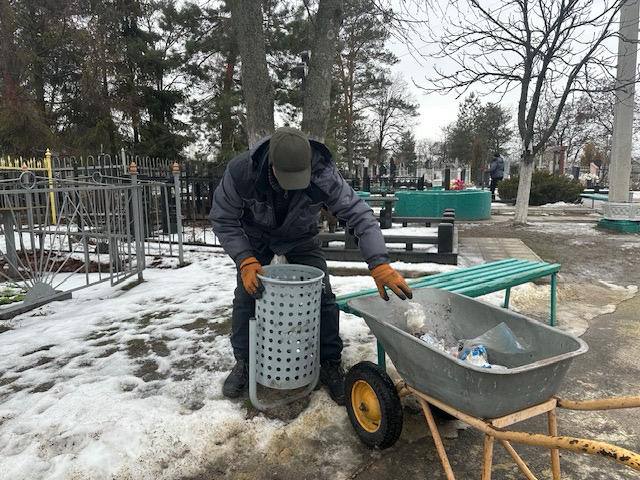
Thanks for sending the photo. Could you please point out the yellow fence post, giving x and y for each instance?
(52, 195)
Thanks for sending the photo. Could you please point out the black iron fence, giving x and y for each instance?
(198, 179)
(385, 184)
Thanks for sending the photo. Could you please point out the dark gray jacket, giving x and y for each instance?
(243, 216)
(496, 169)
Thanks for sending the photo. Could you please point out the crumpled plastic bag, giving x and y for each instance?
(502, 345)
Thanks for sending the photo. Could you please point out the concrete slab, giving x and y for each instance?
(475, 250)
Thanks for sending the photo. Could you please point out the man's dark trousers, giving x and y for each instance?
(244, 306)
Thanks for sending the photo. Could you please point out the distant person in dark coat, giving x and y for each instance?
(496, 171)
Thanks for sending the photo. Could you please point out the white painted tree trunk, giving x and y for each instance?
(620, 171)
(524, 191)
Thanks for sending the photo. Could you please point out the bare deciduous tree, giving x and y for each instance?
(544, 48)
(391, 113)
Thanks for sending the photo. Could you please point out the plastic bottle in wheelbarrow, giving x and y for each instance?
(498, 345)
(284, 336)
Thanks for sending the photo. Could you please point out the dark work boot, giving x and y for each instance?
(332, 376)
(237, 380)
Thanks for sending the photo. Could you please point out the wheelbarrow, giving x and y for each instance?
(487, 399)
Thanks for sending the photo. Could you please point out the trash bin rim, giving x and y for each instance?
(277, 281)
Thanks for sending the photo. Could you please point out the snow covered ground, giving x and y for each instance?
(126, 383)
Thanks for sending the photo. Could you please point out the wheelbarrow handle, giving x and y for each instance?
(600, 403)
(578, 445)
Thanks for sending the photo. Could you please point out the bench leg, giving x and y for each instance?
(554, 299)
(507, 297)
(382, 356)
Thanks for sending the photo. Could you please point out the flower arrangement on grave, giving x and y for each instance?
(457, 184)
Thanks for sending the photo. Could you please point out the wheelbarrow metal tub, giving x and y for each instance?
(481, 392)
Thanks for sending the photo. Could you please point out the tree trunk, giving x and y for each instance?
(226, 118)
(38, 81)
(8, 57)
(317, 89)
(524, 191)
(349, 146)
(246, 16)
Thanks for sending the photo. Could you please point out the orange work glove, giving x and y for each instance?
(249, 270)
(386, 276)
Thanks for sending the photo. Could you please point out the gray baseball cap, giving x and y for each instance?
(290, 156)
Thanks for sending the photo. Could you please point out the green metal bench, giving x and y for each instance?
(479, 280)
(603, 197)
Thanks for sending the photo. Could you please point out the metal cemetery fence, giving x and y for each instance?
(197, 182)
(198, 179)
(62, 235)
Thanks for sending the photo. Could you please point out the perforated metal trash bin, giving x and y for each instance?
(284, 336)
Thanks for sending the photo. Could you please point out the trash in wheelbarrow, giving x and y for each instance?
(500, 339)
(530, 378)
(491, 349)
(501, 345)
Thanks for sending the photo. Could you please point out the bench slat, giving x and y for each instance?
(417, 282)
(482, 276)
(595, 196)
(501, 284)
(425, 239)
(463, 274)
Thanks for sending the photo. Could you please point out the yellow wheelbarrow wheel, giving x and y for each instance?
(373, 405)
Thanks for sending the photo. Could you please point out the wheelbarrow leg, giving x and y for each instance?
(555, 453)
(442, 453)
(519, 462)
(487, 457)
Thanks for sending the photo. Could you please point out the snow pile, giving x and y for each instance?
(558, 205)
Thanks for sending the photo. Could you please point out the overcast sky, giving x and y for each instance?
(437, 110)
